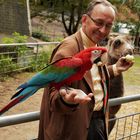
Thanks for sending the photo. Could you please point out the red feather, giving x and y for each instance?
(11, 104)
(82, 66)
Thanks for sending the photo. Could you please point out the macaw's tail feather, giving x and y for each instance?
(11, 104)
(20, 96)
(25, 85)
(17, 93)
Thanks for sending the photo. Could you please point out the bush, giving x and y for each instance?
(16, 38)
(10, 54)
(6, 64)
(37, 34)
(40, 61)
(17, 58)
(41, 35)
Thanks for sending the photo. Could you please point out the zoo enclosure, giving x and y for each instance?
(24, 59)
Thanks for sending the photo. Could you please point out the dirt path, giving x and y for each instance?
(26, 131)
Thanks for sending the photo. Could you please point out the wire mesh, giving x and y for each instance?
(126, 127)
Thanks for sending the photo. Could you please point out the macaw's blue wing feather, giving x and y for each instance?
(53, 73)
(39, 79)
(42, 79)
(25, 91)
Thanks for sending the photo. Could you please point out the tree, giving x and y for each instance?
(72, 17)
(134, 5)
(69, 10)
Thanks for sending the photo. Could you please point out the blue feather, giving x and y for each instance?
(29, 91)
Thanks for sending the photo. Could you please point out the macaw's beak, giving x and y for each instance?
(97, 60)
(102, 60)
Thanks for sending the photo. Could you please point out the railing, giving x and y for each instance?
(29, 44)
(127, 127)
(21, 56)
(33, 116)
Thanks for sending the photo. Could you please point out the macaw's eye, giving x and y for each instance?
(96, 52)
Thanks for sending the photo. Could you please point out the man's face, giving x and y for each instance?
(98, 23)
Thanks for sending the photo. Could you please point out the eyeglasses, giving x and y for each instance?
(100, 23)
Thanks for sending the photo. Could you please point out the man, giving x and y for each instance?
(80, 113)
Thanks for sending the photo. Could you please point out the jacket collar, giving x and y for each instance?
(87, 75)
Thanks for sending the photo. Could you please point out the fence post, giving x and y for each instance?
(36, 57)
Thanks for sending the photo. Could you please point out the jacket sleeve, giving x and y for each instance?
(111, 72)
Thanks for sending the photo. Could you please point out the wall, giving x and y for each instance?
(15, 17)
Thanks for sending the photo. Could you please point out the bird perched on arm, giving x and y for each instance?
(57, 74)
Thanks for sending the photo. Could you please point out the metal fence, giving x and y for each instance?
(127, 127)
(123, 129)
(22, 56)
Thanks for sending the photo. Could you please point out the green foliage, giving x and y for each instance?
(40, 35)
(7, 40)
(21, 57)
(116, 27)
(19, 38)
(59, 39)
(37, 34)
(69, 10)
(40, 61)
(16, 38)
(8, 62)
(116, 2)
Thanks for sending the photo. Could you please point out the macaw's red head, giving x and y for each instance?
(92, 54)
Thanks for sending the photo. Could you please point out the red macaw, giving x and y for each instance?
(57, 74)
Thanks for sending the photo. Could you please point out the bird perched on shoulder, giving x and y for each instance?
(57, 74)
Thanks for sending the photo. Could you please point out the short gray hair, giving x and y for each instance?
(93, 3)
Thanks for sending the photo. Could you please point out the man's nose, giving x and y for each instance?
(103, 29)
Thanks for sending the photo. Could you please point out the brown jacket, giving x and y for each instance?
(58, 120)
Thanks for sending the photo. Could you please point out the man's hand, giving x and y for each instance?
(74, 96)
(122, 64)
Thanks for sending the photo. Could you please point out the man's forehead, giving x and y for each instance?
(101, 9)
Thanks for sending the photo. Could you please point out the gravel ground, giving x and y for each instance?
(26, 131)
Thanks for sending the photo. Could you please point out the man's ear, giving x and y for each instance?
(84, 18)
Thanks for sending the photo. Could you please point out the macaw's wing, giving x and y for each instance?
(54, 72)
